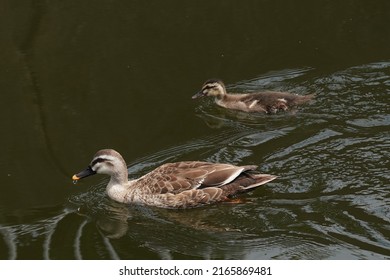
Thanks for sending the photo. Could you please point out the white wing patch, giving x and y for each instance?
(253, 104)
(233, 176)
(198, 183)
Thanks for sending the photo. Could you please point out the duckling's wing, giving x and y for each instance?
(272, 97)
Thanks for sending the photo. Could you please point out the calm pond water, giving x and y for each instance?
(78, 76)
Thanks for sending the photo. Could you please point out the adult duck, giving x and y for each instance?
(174, 185)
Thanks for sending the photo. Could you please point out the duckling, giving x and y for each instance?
(183, 184)
(263, 102)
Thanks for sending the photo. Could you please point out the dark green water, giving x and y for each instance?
(78, 76)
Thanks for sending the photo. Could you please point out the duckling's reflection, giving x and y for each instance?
(220, 117)
(216, 118)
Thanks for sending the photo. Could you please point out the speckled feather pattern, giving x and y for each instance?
(176, 185)
(262, 102)
(190, 184)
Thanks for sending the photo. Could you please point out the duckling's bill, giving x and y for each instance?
(199, 94)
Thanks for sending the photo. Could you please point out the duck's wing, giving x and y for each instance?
(181, 176)
(192, 184)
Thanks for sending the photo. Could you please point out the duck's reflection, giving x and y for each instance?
(111, 220)
(189, 233)
(115, 219)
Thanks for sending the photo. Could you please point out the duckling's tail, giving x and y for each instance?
(301, 99)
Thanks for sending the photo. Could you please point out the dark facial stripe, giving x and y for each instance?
(98, 160)
(209, 87)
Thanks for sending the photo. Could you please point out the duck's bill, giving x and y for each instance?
(199, 94)
(85, 173)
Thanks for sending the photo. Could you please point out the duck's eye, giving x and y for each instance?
(98, 160)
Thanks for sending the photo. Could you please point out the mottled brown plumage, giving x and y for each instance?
(263, 102)
(175, 185)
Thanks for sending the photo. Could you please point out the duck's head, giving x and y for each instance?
(213, 87)
(108, 162)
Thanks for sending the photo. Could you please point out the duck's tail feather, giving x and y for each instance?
(246, 182)
(259, 179)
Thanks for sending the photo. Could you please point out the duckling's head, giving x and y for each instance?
(106, 161)
(213, 87)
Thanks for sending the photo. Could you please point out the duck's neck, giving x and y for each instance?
(117, 187)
